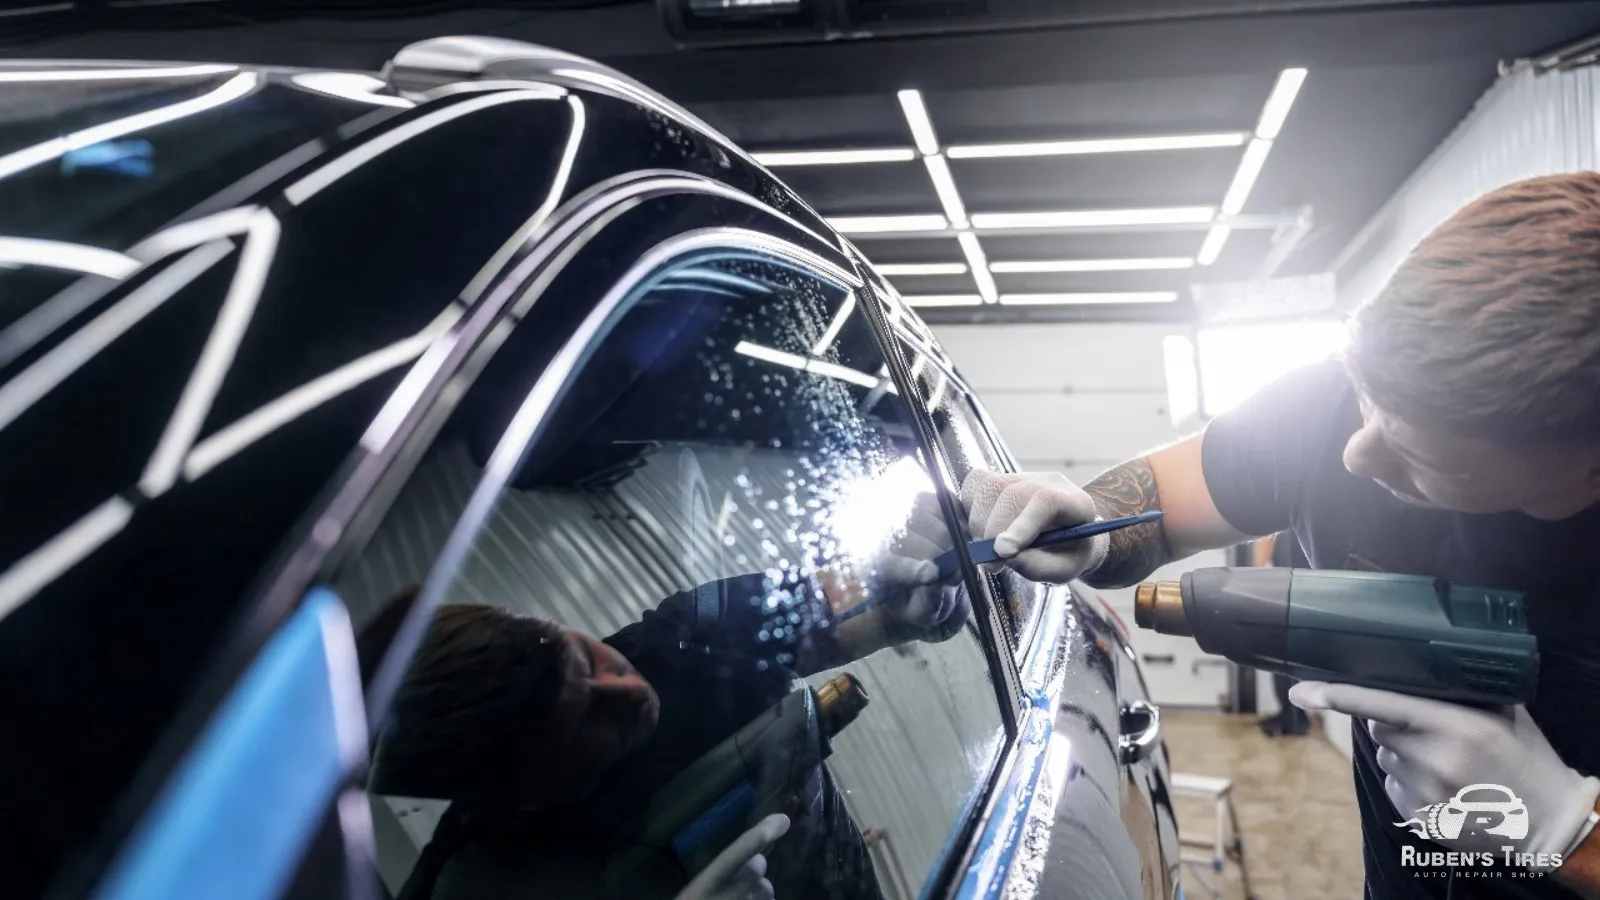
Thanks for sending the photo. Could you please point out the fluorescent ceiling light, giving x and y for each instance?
(920, 124)
(1102, 145)
(1090, 218)
(62, 255)
(1211, 247)
(1279, 102)
(879, 224)
(1244, 180)
(350, 86)
(1080, 299)
(944, 300)
(979, 265)
(897, 269)
(28, 157)
(14, 76)
(945, 187)
(1020, 267)
(777, 159)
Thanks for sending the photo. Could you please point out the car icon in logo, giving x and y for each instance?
(1476, 808)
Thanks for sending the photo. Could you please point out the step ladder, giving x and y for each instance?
(1207, 858)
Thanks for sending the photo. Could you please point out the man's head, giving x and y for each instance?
(504, 708)
(1478, 364)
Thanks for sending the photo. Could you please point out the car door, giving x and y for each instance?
(712, 440)
(1113, 822)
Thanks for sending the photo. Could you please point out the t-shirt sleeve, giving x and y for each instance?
(1257, 456)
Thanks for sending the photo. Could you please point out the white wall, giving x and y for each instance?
(1079, 399)
(1073, 398)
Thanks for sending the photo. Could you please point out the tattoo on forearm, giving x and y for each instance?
(1133, 553)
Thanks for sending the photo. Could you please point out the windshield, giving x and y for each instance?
(94, 160)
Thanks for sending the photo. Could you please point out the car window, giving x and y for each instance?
(967, 446)
(706, 591)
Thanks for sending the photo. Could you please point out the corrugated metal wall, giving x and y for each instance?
(1525, 125)
(596, 559)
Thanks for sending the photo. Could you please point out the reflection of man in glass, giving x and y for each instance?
(552, 742)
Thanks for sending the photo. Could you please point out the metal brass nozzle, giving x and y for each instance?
(839, 702)
(1158, 605)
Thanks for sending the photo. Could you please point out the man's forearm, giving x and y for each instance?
(1132, 553)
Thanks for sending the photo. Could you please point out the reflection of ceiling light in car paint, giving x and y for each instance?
(350, 86)
(1021, 267)
(781, 158)
(1276, 110)
(1088, 298)
(918, 121)
(834, 327)
(28, 157)
(900, 269)
(1091, 218)
(805, 364)
(1102, 145)
(873, 510)
(15, 76)
(62, 255)
(878, 224)
(1211, 247)
(944, 300)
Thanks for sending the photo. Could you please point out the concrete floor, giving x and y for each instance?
(1296, 805)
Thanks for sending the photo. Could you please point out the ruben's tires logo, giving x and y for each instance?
(1477, 810)
(1485, 820)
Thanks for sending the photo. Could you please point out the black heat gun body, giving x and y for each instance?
(1405, 633)
(749, 775)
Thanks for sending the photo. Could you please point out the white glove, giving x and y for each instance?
(1016, 509)
(739, 872)
(1431, 750)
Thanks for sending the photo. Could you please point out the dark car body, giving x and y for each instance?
(237, 308)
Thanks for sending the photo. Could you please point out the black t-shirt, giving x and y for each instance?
(1276, 462)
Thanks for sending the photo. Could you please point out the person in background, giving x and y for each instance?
(1458, 438)
(1283, 551)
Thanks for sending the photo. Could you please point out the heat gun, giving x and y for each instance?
(1405, 633)
(746, 777)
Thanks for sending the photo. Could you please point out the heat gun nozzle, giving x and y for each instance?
(839, 702)
(1158, 605)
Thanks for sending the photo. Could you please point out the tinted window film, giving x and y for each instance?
(722, 532)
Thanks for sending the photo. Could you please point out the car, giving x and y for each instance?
(293, 362)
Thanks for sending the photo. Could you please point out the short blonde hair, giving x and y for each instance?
(1491, 326)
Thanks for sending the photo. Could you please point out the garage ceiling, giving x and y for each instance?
(1373, 90)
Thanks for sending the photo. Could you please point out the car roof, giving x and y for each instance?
(125, 564)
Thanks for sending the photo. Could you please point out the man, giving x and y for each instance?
(1458, 438)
